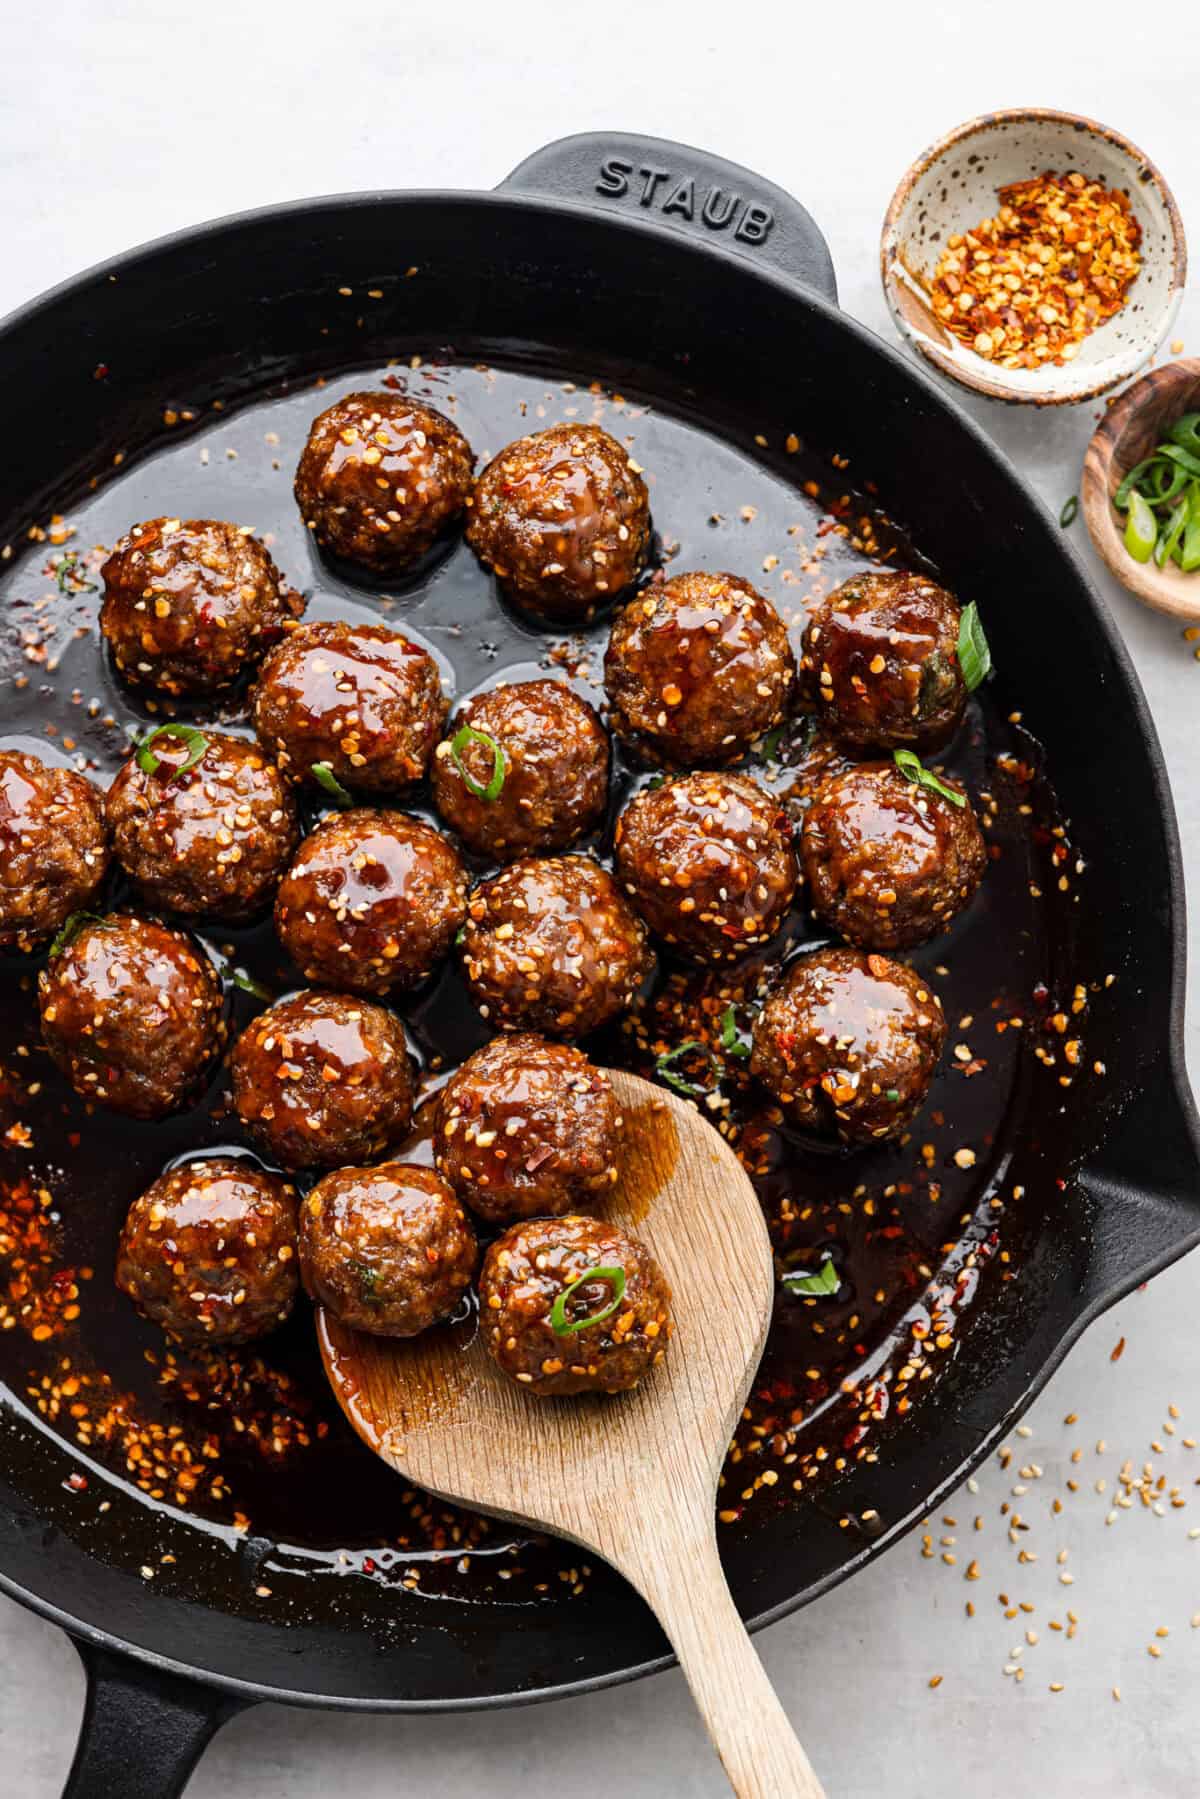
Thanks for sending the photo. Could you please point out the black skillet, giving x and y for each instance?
(711, 293)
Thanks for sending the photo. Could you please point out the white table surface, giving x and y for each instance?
(122, 121)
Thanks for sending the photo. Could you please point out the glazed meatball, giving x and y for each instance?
(372, 901)
(320, 1079)
(708, 861)
(696, 668)
(358, 700)
(380, 478)
(551, 752)
(562, 519)
(209, 1252)
(848, 1044)
(53, 851)
(210, 840)
(551, 945)
(189, 607)
(880, 659)
(132, 1014)
(534, 1266)
(388, 1249)
(889, 862)
(528, 1129)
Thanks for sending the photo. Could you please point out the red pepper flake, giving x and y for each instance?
(1118, 1352)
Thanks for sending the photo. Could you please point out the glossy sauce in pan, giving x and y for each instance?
(256, 1452)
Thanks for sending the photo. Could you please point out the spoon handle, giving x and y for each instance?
(685, 1585)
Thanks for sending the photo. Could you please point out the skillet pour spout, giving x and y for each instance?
(709, 292)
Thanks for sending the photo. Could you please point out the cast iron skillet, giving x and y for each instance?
(602, 252)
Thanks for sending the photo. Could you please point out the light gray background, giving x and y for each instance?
(125, 120)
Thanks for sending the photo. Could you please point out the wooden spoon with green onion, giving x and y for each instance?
(633, 1477)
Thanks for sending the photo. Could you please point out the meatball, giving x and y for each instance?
(708, 861)
(359, 700)
(380, 478)
(848, 1044)
(132, 1013)
(321, 1079)
(551, 752)
(551, 945)
(536, 1297)
(189, 607)
(696, 668)
(372, 901)
(889, 862)
(53, 851)
(527, 1128)
(209, 1251)
(562, 519)
(209, 840)
(880, 657)
(388, 1249)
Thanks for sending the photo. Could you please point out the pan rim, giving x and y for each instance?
(702, 253)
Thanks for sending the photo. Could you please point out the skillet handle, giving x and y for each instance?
(142, 1732)
(704, 196)
(1145, 1183)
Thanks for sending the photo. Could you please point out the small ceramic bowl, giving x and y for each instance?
(954, 184)
(1129, 431)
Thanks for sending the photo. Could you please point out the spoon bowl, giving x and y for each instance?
(631, 1477)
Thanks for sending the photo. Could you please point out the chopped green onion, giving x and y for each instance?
(822, 1285)
(1184, 459)
(893, 1093)
(483, 790)
(1070, 508)
(460, 934)
(733, 1038)
(770, 744)
(1186, 432)
(615, 1277)
(1189, 558)
(974, 656)
(913, 769)
(72, 927)
(1141, 529)
(333, 787)
(1136, 474)
(665, 1066)
(654, 783)
(1171, 533)
(248, 984)
(67, 569)
(195, 740)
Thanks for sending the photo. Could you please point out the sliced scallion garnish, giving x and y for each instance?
(733, 1038)
(1141, 528)
(71, 928)
(1186, 432)
(483, 790)
(974, 656)
(559, 1324)
(325, 777)
(913, 769)
(248, 984)
(665, 1066)
(1070, 508)
(195, 740)
(822, 1284)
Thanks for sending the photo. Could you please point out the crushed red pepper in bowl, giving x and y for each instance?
(1026, 286)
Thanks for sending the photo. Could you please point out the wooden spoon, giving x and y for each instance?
(631, 1477)
(1130, 430)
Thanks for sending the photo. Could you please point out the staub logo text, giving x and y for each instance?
(683, 197)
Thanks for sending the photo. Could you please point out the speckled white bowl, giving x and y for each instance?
(953, 185)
